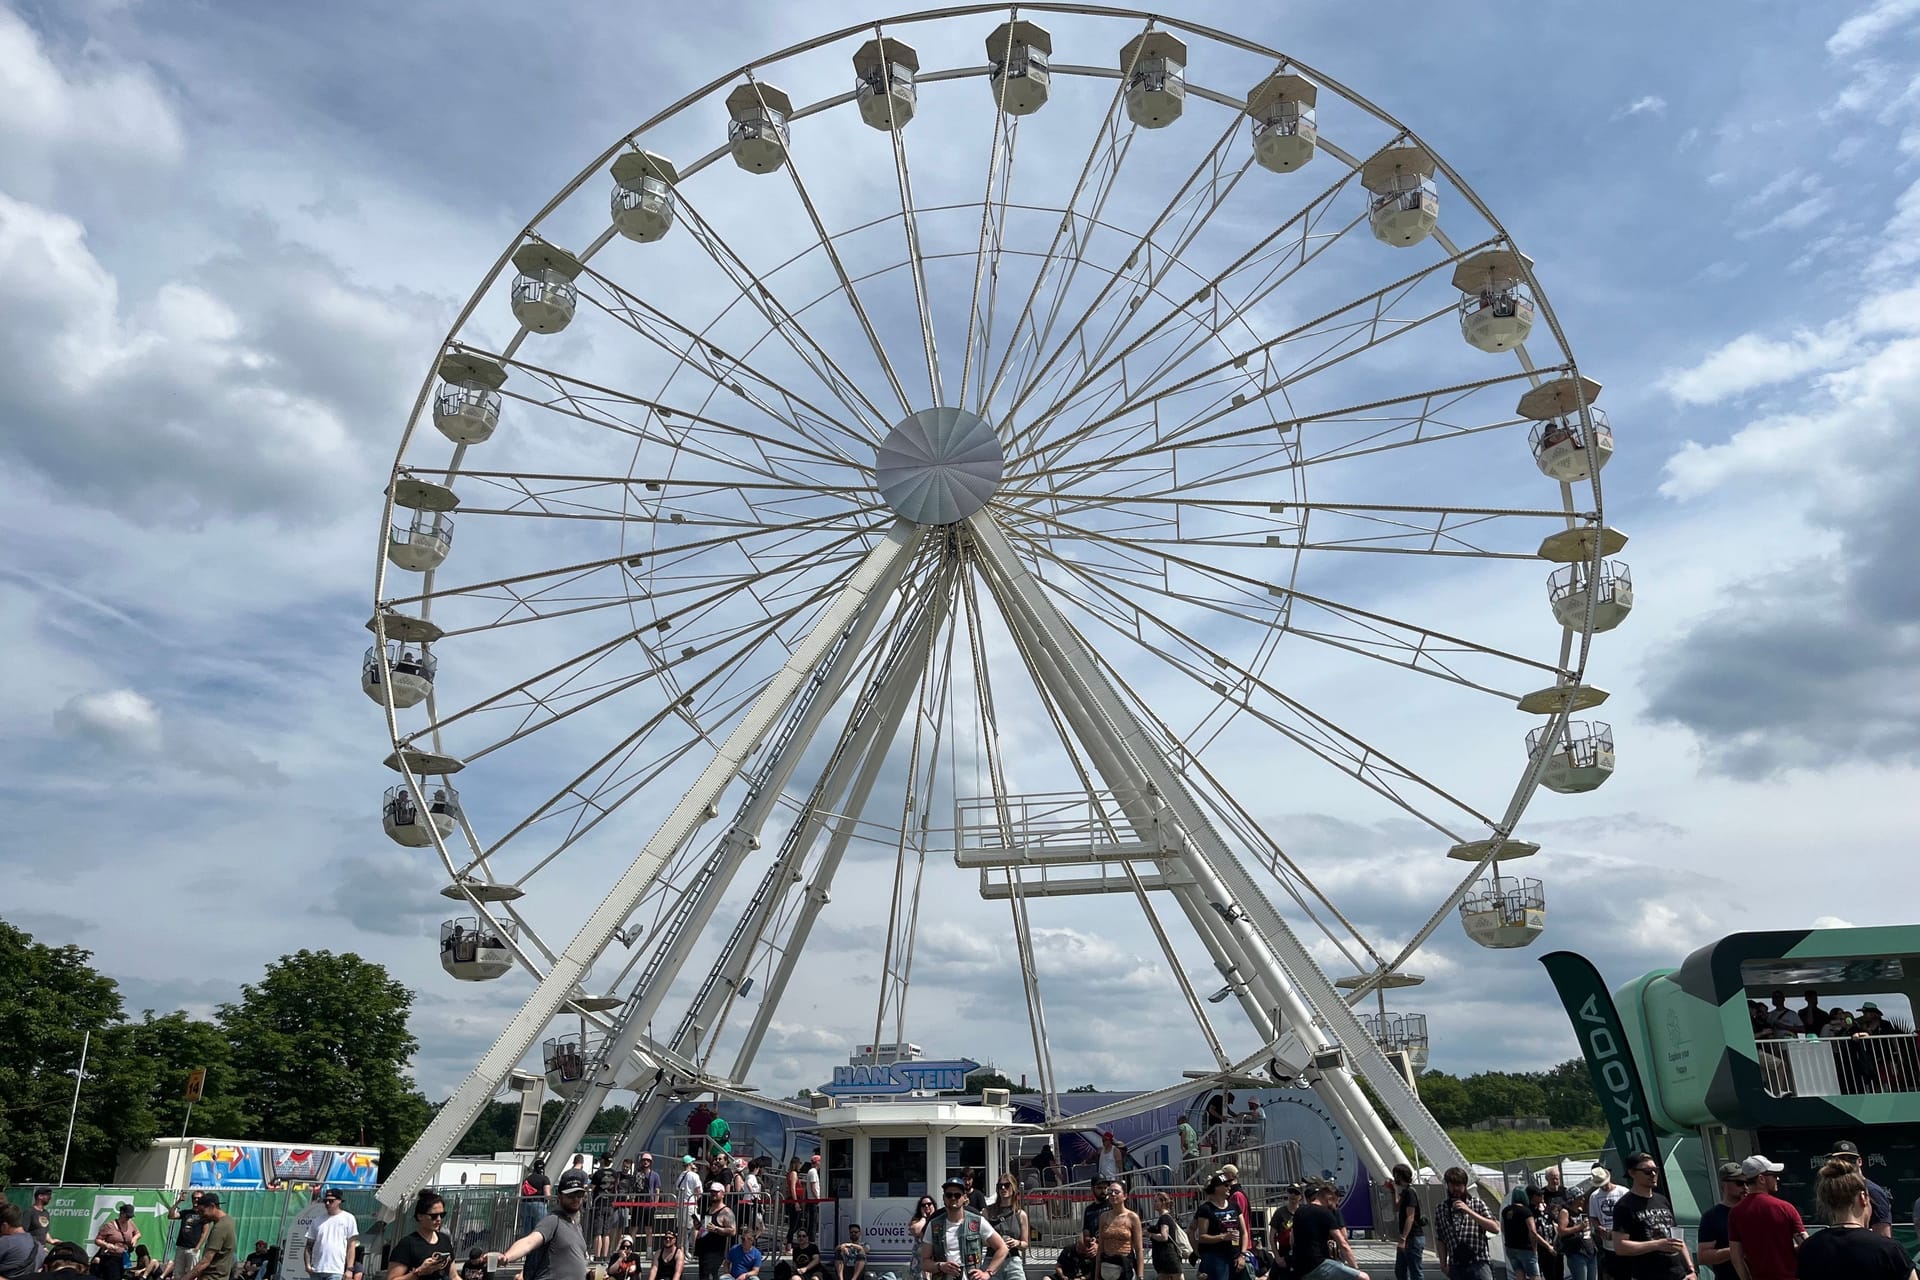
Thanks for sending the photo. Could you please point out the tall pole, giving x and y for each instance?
(73, 1111)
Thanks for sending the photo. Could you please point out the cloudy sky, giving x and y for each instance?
(232, 238)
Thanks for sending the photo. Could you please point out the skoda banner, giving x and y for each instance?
(1604, 1043)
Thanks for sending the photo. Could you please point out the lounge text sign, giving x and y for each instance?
(900, 1078)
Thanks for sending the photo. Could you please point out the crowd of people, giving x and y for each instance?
(205, 1244)
(1870, 1052)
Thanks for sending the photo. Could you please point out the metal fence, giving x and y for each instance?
(1840, 1066)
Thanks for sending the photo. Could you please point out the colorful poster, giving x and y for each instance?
(251, 1166)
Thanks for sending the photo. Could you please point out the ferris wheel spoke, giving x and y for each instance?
(986, 261)
(916, 261)
(674, 709)
(708, 360)
(1284, 252)
(832, 254)
(1420, 638)
(1366, 317)
(1107, 152)
(785, 321)
(593, 403)
(1316, 733)
(1432, 419)
(1208, 197)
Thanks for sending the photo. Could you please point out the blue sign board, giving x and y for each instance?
(900, 1078)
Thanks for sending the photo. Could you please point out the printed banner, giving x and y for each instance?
(251, 1166)
(1604, 1043)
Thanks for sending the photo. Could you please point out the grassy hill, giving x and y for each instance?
(1496, 1146)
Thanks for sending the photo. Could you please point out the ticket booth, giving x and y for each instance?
(880, 1157)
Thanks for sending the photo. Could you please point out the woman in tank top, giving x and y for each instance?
(1119, 1236)
(1010, 1220)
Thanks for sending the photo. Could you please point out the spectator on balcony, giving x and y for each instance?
(1781, 1019)
(1811, 1013)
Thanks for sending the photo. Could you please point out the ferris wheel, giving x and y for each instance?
(1044, 446)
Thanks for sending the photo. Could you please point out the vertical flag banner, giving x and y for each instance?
(1603, 1041)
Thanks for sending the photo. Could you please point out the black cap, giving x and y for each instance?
(209, 1200)
(1845, 1148)
(570, 1181)
(331, 1193)
(954, 1181)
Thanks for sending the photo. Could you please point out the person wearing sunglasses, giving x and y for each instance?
(960, 1244)
(1009, 1218)
(426, 1253)
(1644, 1235)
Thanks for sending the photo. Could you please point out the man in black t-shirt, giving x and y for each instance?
(1716, 1245)
(1076, 1261)
(1319, 1236)
(805, 1263)
(186, 1238)
(1553, 1264)
(1409, 1224)
(1644, 1234)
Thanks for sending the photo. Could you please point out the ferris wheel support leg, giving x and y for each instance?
(1302, 988)
(457, 1115)
(741, 839)
(1123, 775)
(872, 752)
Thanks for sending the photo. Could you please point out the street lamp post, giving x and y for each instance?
(79, 1075)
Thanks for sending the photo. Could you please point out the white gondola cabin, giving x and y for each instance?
(885, 71)
(1496, 306)
(1020, 76)
(1284, 132)
(412, 673)
(1580, 760)
(757, 132)
(642, 201)
(1155, 66)
(1611, 591)
(466, 408)
(1399, 1033)
(422, 543)
(1566, 447)
(1504, 912)
(1403, 203)
(544, 295)
(403, 822)
(474, 950)
(564, 1058)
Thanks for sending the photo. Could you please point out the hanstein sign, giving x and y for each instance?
(900, 1079)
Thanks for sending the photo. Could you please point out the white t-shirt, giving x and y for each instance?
(810, 1178)
(1109, 1162)
(987, 1236)
(689, 1186)
(1600, 1209)
(327, 1239)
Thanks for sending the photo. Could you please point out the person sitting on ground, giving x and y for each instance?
(625, 1262)
(669, 1257)
(804, 1261)
(475, 1267)
(850, 1259)
(143, 1267)
(1076, 1261)
(743, 1259)
(64, 1258)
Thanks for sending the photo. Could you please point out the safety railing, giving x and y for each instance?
(1840, 1066)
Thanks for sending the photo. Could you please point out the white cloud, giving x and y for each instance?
(1751, 361)
(120, 719)
(1650, 105)
(1862, 32)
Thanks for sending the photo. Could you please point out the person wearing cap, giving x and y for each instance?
(960, 1244)
(115, 1240)
(1715, 1245)
(1112, 1160)
(1880, 1219)
(714, 1232)
(1764, 1231)
(1603, 1193)
(332, 1239)
(1219, 1231)
(810, 1187)
(533, 1195)
(1645, 1237)
(1319, 1247)
(220, 1241)
(687, 1191)
(556, 1248)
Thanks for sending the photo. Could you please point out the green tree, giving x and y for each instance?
(52, 1000)
(1502, 1093)
(1446, 1098)
(175, 1045)
(1083, 1088)
(1571, 1102)
(320, 1048)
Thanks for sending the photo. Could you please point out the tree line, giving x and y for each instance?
(315, 1051)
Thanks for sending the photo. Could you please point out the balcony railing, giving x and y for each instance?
(1841, 1066)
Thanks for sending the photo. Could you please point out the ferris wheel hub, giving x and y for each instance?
(939, 466)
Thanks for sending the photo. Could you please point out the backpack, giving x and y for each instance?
(1182, 1243)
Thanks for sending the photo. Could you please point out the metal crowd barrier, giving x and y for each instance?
(1811, 1068)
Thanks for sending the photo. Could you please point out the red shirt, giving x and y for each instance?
(1764, 1227)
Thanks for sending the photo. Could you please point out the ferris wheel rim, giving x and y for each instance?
(1581, 640)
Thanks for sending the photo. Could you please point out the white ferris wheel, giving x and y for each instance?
(1050, 442)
